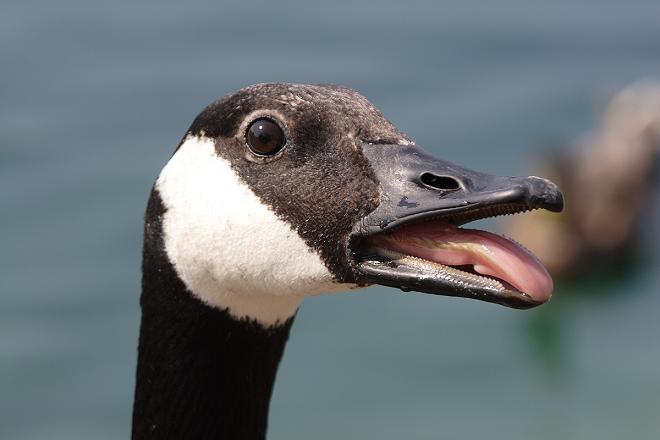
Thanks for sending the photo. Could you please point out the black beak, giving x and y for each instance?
(417, 187)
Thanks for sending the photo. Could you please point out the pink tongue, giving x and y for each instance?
(489, 254)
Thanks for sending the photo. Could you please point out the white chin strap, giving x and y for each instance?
(228, 247)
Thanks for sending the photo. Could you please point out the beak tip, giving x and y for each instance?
(545, 194)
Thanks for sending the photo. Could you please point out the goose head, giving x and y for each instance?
(282, 191)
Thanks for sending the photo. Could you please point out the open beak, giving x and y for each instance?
(413, 241)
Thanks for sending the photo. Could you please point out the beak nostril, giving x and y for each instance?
(439, 182)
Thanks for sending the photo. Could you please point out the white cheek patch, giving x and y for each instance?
(228, 247)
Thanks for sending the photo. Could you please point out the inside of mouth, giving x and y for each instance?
(471, 251)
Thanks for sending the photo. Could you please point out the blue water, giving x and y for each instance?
(94, 96)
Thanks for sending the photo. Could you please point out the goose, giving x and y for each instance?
(608, 179)
(282, 191)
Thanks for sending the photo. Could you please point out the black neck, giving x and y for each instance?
(201, 373)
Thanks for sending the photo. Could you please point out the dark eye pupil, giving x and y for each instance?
(265, 137)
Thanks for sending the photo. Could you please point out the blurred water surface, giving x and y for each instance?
(94, 97)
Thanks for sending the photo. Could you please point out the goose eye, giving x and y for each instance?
(265, 137)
